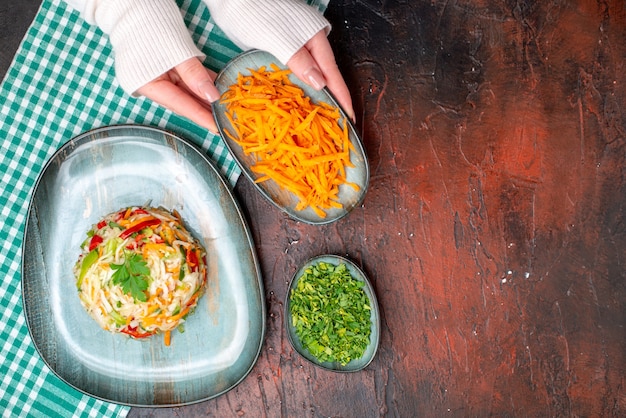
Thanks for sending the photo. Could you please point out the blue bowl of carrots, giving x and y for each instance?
(294, 143)
(331, 314)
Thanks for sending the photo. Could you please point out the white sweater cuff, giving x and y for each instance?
(280, 27)
(149, 37)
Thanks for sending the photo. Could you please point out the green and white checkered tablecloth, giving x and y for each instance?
(60, 84)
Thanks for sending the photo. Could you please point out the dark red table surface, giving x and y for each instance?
(494, 227)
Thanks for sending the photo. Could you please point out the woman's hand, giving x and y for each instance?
(187, 90)
(315, 64)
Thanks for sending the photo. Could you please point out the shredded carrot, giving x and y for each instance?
(298, 144)
(168, 338)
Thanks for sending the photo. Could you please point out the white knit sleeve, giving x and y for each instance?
(280, 27)
(149, 37)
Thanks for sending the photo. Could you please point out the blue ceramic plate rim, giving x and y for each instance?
(354, 365)
(284, 200)
(165, 380)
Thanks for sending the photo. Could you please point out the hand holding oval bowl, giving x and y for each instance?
(285, 200)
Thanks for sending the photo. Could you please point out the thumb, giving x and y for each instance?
(304, 66)
(315, 65)
(198, 79)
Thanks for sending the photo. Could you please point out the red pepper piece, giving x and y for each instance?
(120, 215)
(139, 210)
(135, 332)
(95, 240)
(192, 260)
(101, 224)
(141, 225)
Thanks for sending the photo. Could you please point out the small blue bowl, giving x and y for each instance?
(370, 352)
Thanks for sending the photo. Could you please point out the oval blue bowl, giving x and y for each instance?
(281, 198)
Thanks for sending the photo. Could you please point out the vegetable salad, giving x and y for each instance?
(140, 272)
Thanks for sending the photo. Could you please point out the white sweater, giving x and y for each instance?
(149, 37)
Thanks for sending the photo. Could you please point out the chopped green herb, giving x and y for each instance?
(331, 313)
(133, 275)
(115, 225)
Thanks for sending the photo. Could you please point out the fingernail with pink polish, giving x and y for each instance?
(314, 78)
(210, 92)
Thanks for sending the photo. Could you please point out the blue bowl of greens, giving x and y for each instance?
(331, 314)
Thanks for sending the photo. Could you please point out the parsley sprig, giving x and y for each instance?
(331, 313)
(133, 275)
